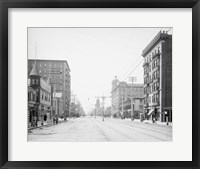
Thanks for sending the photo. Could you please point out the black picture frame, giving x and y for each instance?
(6, 4)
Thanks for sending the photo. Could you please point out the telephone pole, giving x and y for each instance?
(132, 80)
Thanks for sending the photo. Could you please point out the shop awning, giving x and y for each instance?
(151, 111)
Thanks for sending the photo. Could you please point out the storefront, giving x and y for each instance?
(32, 114)
(167, 114)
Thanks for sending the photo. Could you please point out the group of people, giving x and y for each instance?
(55, 120)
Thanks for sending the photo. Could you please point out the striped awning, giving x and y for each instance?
(151, 111)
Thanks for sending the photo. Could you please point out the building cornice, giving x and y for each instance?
(160, 36)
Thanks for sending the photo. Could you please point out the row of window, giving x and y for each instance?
(58, 87)
(155, 98)
(51, 65)
(155, 63)
(45, 96)
(34, 81)
(51, 72)
(152, 99)
(52, 77)
(31, 96)
(149, 58)
(150, 78)
(152, 88)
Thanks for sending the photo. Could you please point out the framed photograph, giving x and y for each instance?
(99, 84)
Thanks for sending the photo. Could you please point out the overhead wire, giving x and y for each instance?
(129, 68)
(123, 78)
(134, 69)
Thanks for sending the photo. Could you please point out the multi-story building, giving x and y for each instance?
(158, 77)
(137, 107)
(58, 74)
(32, 105)
(121, 91)
(42, 97)
(58, 104)
(97, 108)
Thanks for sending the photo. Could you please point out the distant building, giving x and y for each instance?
(97, 108)
(58, 105)
(121, 92)
(108, 111)
(58, 73)
(158, 77)
(43, 93)
(137, 107)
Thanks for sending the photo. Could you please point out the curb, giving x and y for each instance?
(32, 128)
(46, 125)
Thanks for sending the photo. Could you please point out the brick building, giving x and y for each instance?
(32, 105)
(41, 93)
(58, 74)
(158, 77)
(121, 92)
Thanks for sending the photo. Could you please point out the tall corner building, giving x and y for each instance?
(58, 74)
(158, 77)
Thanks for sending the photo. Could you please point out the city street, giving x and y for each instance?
(111, 130)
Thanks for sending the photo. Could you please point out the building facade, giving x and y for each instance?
(58, 105)
(32, 106)
(121, 92)
(125, 108)
(41, 93)
(158, 78)
(58, 74)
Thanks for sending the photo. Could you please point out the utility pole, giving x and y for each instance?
(132, 79)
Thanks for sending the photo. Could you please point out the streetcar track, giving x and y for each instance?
(101, 131)
(139, 130)
(116, 131)
(146, 128)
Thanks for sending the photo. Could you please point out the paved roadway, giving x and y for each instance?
(95, 130)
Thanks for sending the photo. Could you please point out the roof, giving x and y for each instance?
(52, 61)
(34, 71)
(160, 36)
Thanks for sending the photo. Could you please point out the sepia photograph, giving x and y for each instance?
(99, 84)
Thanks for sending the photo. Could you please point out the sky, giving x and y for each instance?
(94, 55)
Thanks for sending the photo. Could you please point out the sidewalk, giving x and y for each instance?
(157, 122)
(150, 122)
(46, 125)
